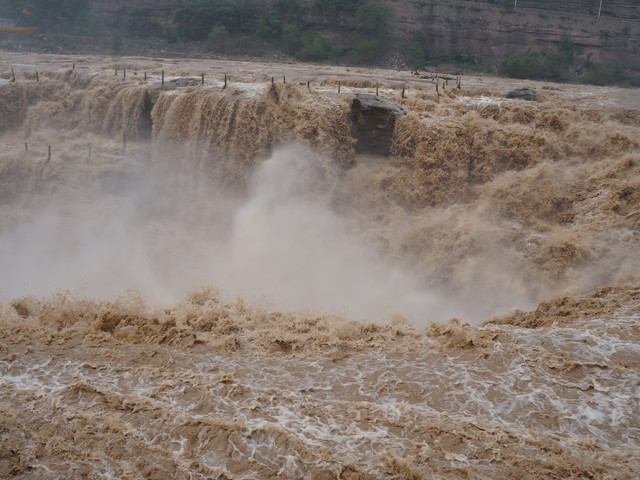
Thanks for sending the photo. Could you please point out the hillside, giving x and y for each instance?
(487, 29)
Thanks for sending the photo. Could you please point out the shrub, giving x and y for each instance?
(371, 25)
(170, 35)
(313, 46)
(372, 19)
(415, 55)
(137, 22)
(195, 18)
(600, 74)
(217, 40)
(116, 43)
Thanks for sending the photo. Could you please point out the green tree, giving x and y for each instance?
(116, 43)
(371, 25)
(138, 22)
(195, 18)
(372, 19)
(569, 49)
(415, 51)
(218, 39)
(313, 45)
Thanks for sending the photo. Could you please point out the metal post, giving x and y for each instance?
(600, 9)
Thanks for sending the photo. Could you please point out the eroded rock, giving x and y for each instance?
(373, 119)
(523, 94)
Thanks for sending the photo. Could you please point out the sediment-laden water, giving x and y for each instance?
(208, 282)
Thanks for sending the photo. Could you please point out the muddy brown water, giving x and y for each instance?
(235, 294)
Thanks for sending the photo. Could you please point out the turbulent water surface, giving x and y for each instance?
(207, 282)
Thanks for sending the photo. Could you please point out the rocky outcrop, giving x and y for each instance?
(523, 94)
(373, 120)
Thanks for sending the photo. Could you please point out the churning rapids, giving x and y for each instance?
(204, 282)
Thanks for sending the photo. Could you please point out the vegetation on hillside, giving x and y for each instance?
(565, 65)
(238, 27)
(421, 52)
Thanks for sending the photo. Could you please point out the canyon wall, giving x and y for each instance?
(491, 29)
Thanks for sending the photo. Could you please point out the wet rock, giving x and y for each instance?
(523, 94)
(182, 82)
(373, 120)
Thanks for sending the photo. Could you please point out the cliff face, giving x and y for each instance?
(493, 29)
(490, 28)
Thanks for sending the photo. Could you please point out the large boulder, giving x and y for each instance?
(373, 120)
(523, 94)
